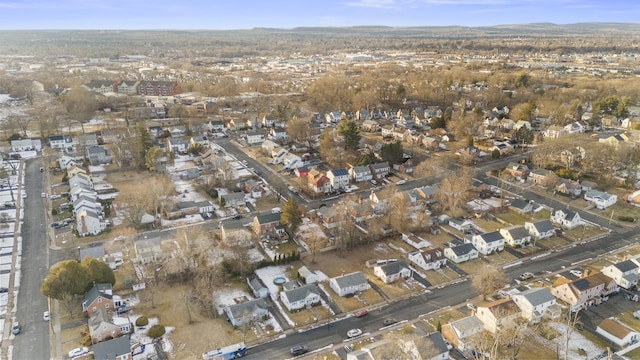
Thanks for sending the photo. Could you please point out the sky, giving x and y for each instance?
(286, 14)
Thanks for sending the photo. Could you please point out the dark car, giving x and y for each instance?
(388, 322)
(299, 350)
(237, 217)
(3, 290)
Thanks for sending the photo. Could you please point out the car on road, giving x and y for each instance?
(291, 188)
(526, 276)
(353, 333)
(299, 350)
(388, 322)
(576, 272)
(78, 352)
(4, 290)
(401, 182)
(43, 195)
(45, 316)
(237, 217)
(15, 329)
(471, 306)
(24, 195)
(361, 313)
(373, 182)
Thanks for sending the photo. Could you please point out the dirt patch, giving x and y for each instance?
(72, 338)
(437, 277)
(309, 316)
(127, 180)
(334, 264)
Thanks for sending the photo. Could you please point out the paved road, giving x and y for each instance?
(33, 342)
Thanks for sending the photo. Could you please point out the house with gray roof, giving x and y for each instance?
(252, 310)
(600, 199)
(234, 199)
(515, 236)
(380, 170)
(392, 271)
(360, 173)
(521, 206)
(461, 333)
(567, 219)
(349, 284)
(541, 229)
(431, 346)
(100, 296)
(257, 287)
(537, 303)
(487, 243)
(114, 349)
(301, 297)
(625, 273)
(461, 253)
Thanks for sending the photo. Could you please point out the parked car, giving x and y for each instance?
(3, 290)
(15, 329)
(45, 316)
(55, 224)
(78, 352)
(361, 313)
(373, 182)
(237, 217)
(471, 306)
(402, 182)
(388, 322)
(43, 195)
(353, 333)
(348, 348)
(526, 276)
(299, 350)
(576, 272)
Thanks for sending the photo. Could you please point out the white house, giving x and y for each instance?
(541, 229)
(428, 259)
(339, 178)
(360, 173)
(487, 243)
(625, 273)
(392, 271)
(415, 241)
(26, 145)
(461, 253)
(255, 138)
(462, 333)
(535, 303)
(499, 314)
(617, 332)
(257, 287)
(251, 310)
(349, 284)
(566, 219)
(515, 236)
(600, 199)
(89, 223)
(301, 297)
(291, 161)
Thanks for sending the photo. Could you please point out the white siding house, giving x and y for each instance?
(349, 284)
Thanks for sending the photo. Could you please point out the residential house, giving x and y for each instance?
(66, 161)
(625, 273)
(567, 219)
(234, 199)
(26, 145)
(360, 173)
(98, 155)
(109, 136)
(462, 333)
(302, 171)
(576, 127)
(114, 349)
(255, 138)
(428, 193)
(101, 86)
(252, 310)
(521, 206)
(618, 333)
(339, 178)
(199, 140)
(429, 347)
(269, 146)
(401, 133)
(392, 271)
(100, 296)
(553, 131)
(291, 161)
(86, 140)
(307, 276)
(536, 303)
(149, 250)
(361, 212)
(59, 142)
(498, 315)
(253, 188)
(257, 287)
(89, 223)
(386, 131)
(380, 170)
(349, 284)
(415, 241)
(585, 291)
(540, 229)
(330, 216)
(588, 185)
(370, 125)
(615, 141)
(103, 325)
(79, 177)
(517, 170)
(301, 297)
(378, 203)
(516, 236)
(278, 133)
(217, 126)
(600, 199)
(363, 115)
(568, 187)
(86, 202)
(127, 87)
(460, 224)
(429, 258)
(267, 224)
(461, 253)
(177, 145)
(269, 121)
(318, 182)
(487, 243)
(543, 177)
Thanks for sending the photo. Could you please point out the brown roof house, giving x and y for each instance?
(498, 315)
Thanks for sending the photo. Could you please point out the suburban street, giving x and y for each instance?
(33, 341)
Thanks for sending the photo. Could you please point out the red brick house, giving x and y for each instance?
(100, 296)
(159, 88)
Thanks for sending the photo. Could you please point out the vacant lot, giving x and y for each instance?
(334, 263)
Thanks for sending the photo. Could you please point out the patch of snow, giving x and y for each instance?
(254, 255)
(227, 297)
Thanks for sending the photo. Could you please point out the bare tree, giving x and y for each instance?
(485, 277)
(80, 104)
(135, 203)
(453, 193)
(315, 242)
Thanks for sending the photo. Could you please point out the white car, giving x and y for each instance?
(354, 332)
(45, 316)
(575, 272)
(78, 352)
(43, 195)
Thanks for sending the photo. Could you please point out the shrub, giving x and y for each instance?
(626, 218)
(86, 340)
(54, 212)
(142, 321)
(156, 331)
